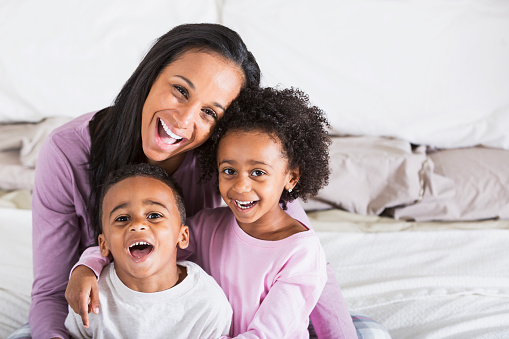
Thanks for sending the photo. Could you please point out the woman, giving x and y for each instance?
(167, 108)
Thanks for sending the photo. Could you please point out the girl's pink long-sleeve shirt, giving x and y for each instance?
(272, 286)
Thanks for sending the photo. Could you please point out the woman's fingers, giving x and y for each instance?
(82, 292)
(94, 299)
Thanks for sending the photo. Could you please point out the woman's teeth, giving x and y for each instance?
(244, 204)
(169, 132)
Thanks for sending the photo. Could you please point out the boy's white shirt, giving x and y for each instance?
(195, 308)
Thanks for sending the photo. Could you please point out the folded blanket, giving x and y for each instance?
(19, 146)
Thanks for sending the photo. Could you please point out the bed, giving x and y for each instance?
(415, 219)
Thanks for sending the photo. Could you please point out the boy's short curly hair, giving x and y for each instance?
(286, 113)
(141, 170)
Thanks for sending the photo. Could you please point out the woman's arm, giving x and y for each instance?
(56, 240)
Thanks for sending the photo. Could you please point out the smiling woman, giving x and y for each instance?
(185, 81)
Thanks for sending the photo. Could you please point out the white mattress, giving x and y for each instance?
(421, 280)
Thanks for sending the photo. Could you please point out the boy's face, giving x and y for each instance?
(142, 229)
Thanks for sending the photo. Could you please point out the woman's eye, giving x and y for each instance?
(154, 215)
(122, 218)
(183, 92)
(210, 112)
(257, 173)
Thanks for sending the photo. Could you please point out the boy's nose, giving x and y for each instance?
(138, 226)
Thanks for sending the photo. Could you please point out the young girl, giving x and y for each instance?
(270, 148)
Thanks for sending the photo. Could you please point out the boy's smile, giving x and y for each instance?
(141, 229)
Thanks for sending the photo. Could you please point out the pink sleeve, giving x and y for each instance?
(330, 317)
(284, 312)
(93, 259)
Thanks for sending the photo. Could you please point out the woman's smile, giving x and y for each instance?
(166, 135)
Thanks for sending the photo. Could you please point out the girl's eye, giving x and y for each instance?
(257, 173)
(154, 215)
(228, 171)
(122, 218)
(210, 112)
(182, 91)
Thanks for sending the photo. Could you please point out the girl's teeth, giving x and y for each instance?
(244, 204)
(169, 132)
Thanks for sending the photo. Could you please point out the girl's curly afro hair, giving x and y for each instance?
(287, 114)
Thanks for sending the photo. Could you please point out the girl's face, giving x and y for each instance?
(184, 104)
(142, 229)
(252, 175)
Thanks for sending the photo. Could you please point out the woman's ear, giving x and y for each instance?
(183, 241)
(103, 246)
(293, 178)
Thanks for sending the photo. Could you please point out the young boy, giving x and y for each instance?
(145, 292)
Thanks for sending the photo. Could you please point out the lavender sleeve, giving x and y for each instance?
(56, 240)
(60, 223)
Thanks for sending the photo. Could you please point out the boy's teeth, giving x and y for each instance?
(139, 243)
(169, 132)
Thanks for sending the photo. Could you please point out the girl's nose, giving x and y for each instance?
(242, 185)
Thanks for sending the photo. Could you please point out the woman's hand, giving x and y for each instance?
(82, 292)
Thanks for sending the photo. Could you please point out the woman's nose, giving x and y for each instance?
(187, 115)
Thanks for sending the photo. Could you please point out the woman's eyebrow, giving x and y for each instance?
(191, 85)
(189, 82)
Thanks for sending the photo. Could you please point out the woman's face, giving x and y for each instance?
(184, 104)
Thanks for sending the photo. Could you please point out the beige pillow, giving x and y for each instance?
(462, 184)
(370, 174)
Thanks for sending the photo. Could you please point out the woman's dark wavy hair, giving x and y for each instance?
(288, 115)
(116, 131)
(140, 170)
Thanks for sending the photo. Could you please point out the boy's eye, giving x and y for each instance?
(154, 215)
(122, 218)
(257, 173)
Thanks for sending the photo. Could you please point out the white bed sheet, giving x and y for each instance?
(421, 280)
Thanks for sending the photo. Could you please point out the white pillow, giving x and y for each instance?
(69, 57)
(432, 72)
